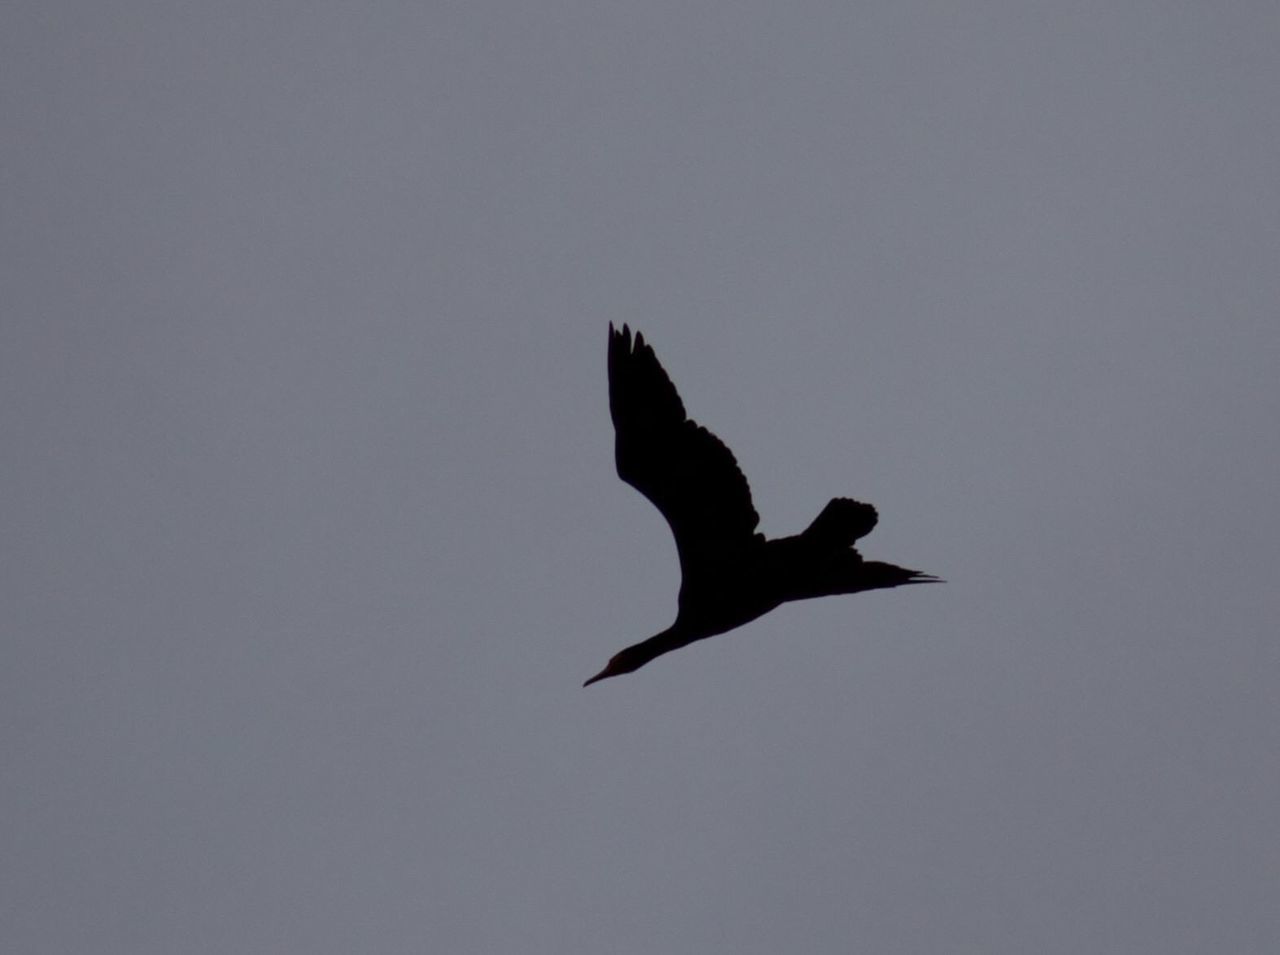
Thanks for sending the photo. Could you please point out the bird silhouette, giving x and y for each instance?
(730, 574)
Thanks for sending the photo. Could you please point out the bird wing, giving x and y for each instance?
(684, 469)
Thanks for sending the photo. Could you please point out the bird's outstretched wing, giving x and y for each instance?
(684, 469)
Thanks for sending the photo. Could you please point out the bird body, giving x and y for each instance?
(730, 573)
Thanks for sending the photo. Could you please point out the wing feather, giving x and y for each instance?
(684, 469)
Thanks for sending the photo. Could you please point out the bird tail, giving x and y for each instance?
(845, 572)
(874, 575)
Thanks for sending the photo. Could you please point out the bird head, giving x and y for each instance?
(627, 661)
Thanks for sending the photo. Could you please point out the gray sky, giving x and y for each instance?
(311, 530)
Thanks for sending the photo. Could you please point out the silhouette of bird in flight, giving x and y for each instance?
(730, 573)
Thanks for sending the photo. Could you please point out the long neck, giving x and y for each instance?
(673, 638)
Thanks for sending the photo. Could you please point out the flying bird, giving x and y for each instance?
(730, 574)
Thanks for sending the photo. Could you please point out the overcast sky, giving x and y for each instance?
(311, 531)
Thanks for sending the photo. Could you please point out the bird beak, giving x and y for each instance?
(607, 671)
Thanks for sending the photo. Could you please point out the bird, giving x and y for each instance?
(730, 573)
